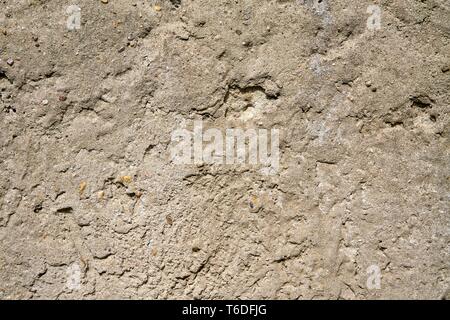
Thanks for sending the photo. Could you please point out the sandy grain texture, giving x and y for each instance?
(87, 188)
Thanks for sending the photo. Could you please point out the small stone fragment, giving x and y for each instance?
(101, 195)
(157, 8)
(104, 1)
(82, 187)
(45, 102)
(169, 220)
(10, 62)
(126, 179)
(254, 204)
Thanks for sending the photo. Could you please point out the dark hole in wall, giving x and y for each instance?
(175, 3)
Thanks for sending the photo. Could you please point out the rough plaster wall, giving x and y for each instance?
(86, 122)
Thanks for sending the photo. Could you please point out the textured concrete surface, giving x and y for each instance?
(92, 206)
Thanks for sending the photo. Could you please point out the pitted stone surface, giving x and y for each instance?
(86, 178)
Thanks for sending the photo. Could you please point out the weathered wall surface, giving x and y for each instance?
(93, 207)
